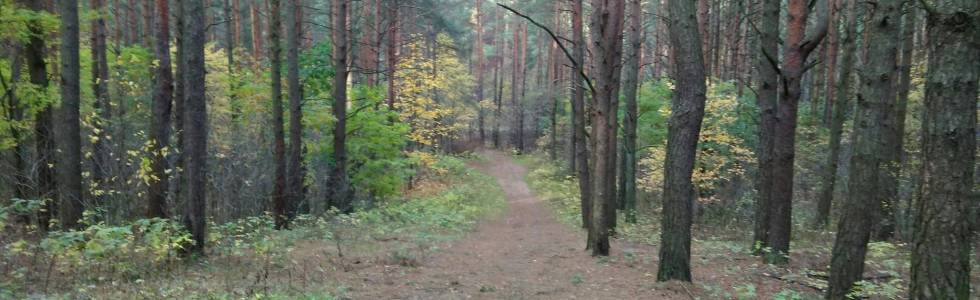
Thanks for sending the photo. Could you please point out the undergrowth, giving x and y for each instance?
(714, 245)
(247, 258)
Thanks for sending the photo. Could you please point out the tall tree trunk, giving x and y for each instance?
(279, 194)
(892, 134)
(392, 55)
(631, 73)
(236, 19)
(553, 85)
(479, 66)
(606, 29)
(767, 64)
(516, 87)
(579, 141)
(902, 100)
(942, 240)
(160, 123)
(133, 24)
(256, 19)
(339, 188)
(799, 43)
(295, 168)
(146, 36)
(69, 142)
(841, 102)
(195, 123)
(180, 181)
(832, 48)
(875, 97)
(682, 138)
(43, 121)
(703, 10)
(100, 87)
(14, 112)
(368, 50)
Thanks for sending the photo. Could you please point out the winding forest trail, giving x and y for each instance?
(525, 253)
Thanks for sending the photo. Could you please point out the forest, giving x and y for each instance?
(489, 149)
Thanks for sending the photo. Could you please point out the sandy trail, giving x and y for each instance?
(523, 254)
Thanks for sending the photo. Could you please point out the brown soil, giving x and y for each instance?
(523, 254)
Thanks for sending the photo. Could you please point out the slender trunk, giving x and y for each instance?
(43, 121)
(146, 36)
(279, 197)
(236, 20)
(841, 103)
(179, 89)
(195, 123)
(901, 103)
(160, 123)
(295, 169)
(606, 31)
(682, 138)
(339, 188)
(941, 246)
(133, 24)
(256, 18)
(101, 158)
(236, 110)
(832, 48)
(632, 77)
(69, 142)
(479, 66)
(578, 116)
(392, 55)
(874, 98)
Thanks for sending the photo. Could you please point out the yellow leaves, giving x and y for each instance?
(432, 91)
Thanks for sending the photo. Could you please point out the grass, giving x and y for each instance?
(722, 249)
(247, 258)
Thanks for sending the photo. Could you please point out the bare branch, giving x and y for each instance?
(578, 67)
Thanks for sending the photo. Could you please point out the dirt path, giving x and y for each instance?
(523, 254)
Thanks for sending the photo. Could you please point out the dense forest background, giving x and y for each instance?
(833, 142)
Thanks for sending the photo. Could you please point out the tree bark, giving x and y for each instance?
(875, 97)
(687, 112)
(195, 123)
(632, 77)
(832, 48)
(942, 240)
(892, 137)
(294, 165)
(579, 141)
(517, 86)
(841, 103)
(43, 121)
(101, 157)
(69, 142)
(392, 49)
(797, 47)
(766, 98)
(339, 186)
(160, 123)
(279, 197)
(236, 19)
(479, 66)
(607, 24)
(256, 29)
(901, 102)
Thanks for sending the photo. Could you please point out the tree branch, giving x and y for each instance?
(577, 65)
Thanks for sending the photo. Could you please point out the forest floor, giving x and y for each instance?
(525, 253)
